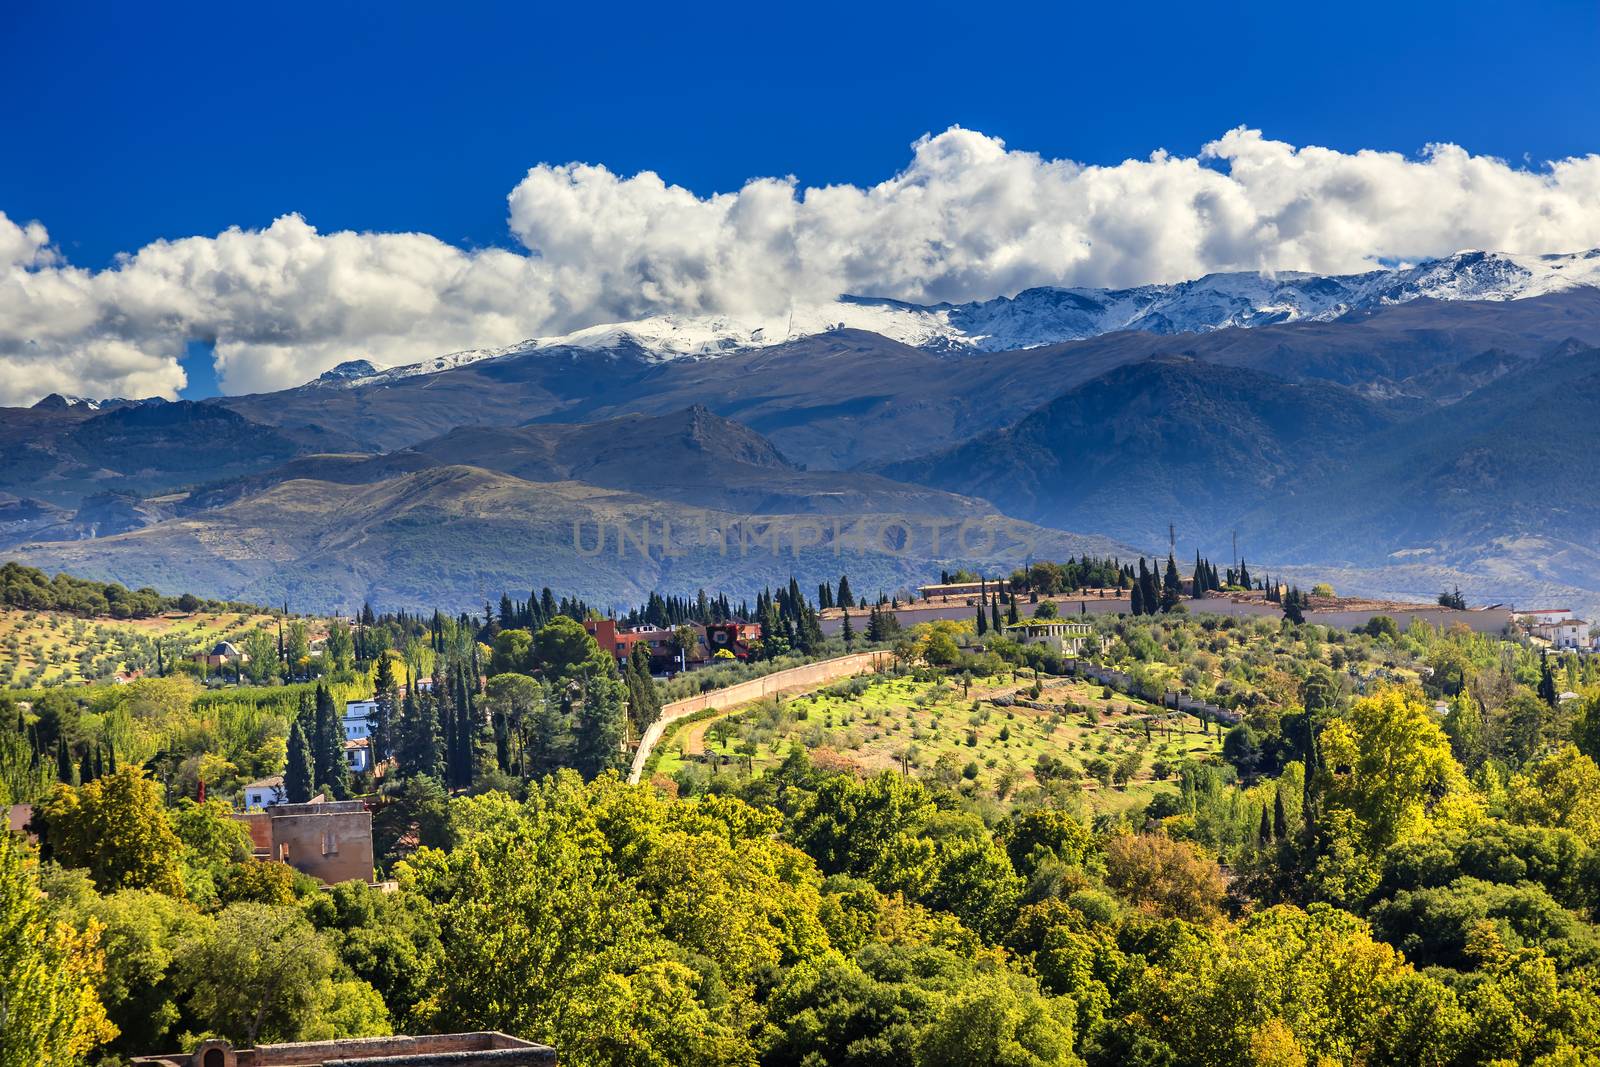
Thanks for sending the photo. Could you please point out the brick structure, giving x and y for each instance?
(483, 1049)
(329, 840)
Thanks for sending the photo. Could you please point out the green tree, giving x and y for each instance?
(340, 649)
(1464, 723)
(565, 651)
(598, 726)
(261, 656)
(1586, 726)
(513, 652)
(143, 934)
(332, 770)
(1561, 790)
(213, 842)
(1165, 876)
(263, 974)
(296, 646)
(541, 936)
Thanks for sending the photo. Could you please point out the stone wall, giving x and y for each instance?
(806, 676)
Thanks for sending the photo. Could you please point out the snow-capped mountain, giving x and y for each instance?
(1048, 315)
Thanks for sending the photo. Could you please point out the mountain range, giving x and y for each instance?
(1398, 431)
(1048, 315)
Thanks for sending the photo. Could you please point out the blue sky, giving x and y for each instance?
(398, 131)
(129, 122)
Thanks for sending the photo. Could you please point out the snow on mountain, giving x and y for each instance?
(1048, 315)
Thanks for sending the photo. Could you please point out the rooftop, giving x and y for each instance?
(481, 1049)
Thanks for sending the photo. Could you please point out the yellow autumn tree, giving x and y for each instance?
(1561, 790)
(50, 1015)
(1388, 764)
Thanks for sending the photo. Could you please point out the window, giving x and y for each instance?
(330, 846)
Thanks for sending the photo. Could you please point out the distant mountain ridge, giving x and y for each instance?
(1049, 315)
(484, 509)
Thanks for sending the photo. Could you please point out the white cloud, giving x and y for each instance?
(966, 219)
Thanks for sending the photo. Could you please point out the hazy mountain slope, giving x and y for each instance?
(336, 416)
(455, 535)
(1497, 487)
(691, 456)
(486, 509)
(1167, 440)
(62, 455)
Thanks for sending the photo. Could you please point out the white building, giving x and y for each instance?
(1064, 637)
(358, 718)
(265, 793)
(1567, 633)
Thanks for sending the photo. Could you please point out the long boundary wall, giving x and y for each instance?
(806, 676)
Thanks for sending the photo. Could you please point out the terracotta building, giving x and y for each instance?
(329, 840)
(484, 1049)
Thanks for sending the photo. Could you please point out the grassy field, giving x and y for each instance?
(39, 648)
(931, 728)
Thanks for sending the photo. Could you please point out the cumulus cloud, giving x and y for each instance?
(968, 218)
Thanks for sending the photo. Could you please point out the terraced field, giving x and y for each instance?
(1116, 750)
(43, 648)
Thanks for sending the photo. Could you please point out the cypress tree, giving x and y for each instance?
(111, 758)
(1264, 830)
(1280, 817)
(1171, 586)
(332, 772)
(983, 619)
(845, 598)
(1012, 615)
(1138, 598)
(1547, 682)
(85, 768)
(847, 631)
(298, 773)
(381, 720)
(63, 763)
(466, 730)
(994, 615)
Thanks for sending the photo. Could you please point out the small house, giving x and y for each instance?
(264, 793)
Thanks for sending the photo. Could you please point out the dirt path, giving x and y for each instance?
(694, 738)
